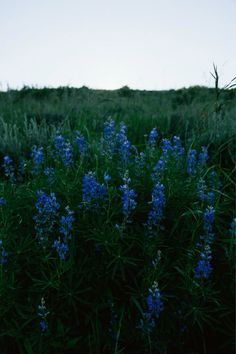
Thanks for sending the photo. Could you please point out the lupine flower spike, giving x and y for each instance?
(8, 168)
(204, 267)
(43, 313)
(3, 254)
(47, 208)
(157, 204)
(37, 157)
(128, 196)
(152, 138)
(92, 191)
(154, 308)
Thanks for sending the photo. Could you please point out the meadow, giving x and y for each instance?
(117, 214)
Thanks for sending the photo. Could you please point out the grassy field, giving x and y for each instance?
(117, 214)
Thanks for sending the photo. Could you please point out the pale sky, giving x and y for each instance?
(106, 44)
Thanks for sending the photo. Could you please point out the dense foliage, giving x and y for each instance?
(119, 240)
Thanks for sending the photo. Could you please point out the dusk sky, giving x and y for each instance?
(106, 44)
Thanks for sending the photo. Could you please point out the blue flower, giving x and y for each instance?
(208, 219)
(152, 137)
(122, 144)
(106, 177)
(46, 204)
(64, 150)
(177, 148)
(43, 325)
(66, 223)
(140, 163)
(7, 160)
(43, 313)
(8, 168)
(154, 302)
(154, 309)
(109, 140)
(2, 201)
(213, 180)
(37, 156)
(3, 254)
(81, 143)
(166, 146)
(203, 194)
(109, 129)
(157, 204)
(49, 172)
(47, 207)
(204, 267)
(59, 143)
(203, 157)
(61, 247)
(92, 191)
(147, 323)
(128, 197)
(21, 167)
(66, 226)
(66, 154)
(160, 166)
(191, 161)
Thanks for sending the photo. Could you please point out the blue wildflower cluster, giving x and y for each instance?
(208, 219)
(109, 130)
(49, 172)
(8, 168)
(177, 148)
(64, 150)
(159, 168)
(191, 161)
(203, 157)
(128, 197)
(21, 169)
(170, 150)
(123, 145)
(204, 268)
(155, 306)
(2, 201)
(81, 143)
(61, 247)
(140, 163)
(67, 155)
(152, 138)
(37, 156)
(157, 204)
(108, 139)
(59, 143)
(43, 313)
(47, 208)
(166, 147)
(66, 226)
(3, 254)
(154, 302)
(106, 177)
(92, 191)
(203, 194)
(66, 223)
(213, 180)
